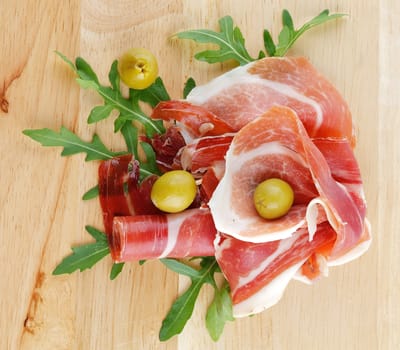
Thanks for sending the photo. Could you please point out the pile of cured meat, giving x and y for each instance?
(275, 117)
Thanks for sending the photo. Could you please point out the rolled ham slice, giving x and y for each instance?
(187, 234)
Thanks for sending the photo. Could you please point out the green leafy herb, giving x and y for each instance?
(90, 194)
(219, 312)
(189, 86)
(232, 44)
(95, 150)
(183, 306)
(85, 256)
(113, 99)
(289, 34)
(230, 41)
(116, 270)
(154, 94)
(148, 166)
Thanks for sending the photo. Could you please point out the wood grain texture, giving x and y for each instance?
(42, 215)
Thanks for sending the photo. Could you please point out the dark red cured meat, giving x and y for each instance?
(113, 199)
(167, 146)
(187, 234)
(119, 190)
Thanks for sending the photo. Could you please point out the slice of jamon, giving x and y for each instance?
(258, 273)
(210, 180)
(114, 200)
(187, 234)
(167, 146)
(243, 94)
(277, 145)
(119, 190)
(197, 121)
(204, 152)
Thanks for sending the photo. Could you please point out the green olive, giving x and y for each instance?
(138, 68)
(174, 191)
(273, 198)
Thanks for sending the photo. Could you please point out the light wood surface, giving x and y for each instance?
(42, 214)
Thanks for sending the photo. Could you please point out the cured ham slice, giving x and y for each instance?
(258, 273)
(243, 94)
(204, 152)
(167, 146)
(197, 121)
(277, 145)
(119, 190)
(187, 234)
(113, 199)
(210, 181)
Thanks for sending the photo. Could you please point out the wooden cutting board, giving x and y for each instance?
(42, 214)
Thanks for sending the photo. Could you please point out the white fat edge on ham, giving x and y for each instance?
(186, 153)
(174, 222)
(240, 75)
(225, 219)
(351, 255)
(284, 246)
(268, 295)
(356, 251)
(313, 214)
(118, 226)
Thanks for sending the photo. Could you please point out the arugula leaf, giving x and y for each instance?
(91, 193)
(232, 44)
(230, 41)
(189, 86)
(219, 312)
(289, 34)
(113, 76)
(99, 113)
(85, 256)
(149, 166)
(152, 95)
(116, 270)
(113, 98)
(183, 306)
(180, 268)
(95, 150)
(269, 43)
(131, 135)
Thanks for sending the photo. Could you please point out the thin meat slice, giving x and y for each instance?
(269, 147)
(243, 94)
(210, 181)
(167, 146)
(114, 200)
(196, 120)
(258, 273)
(345, 170)
(204, 152)
(277, 145)
(187, 234)
(120, 193)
